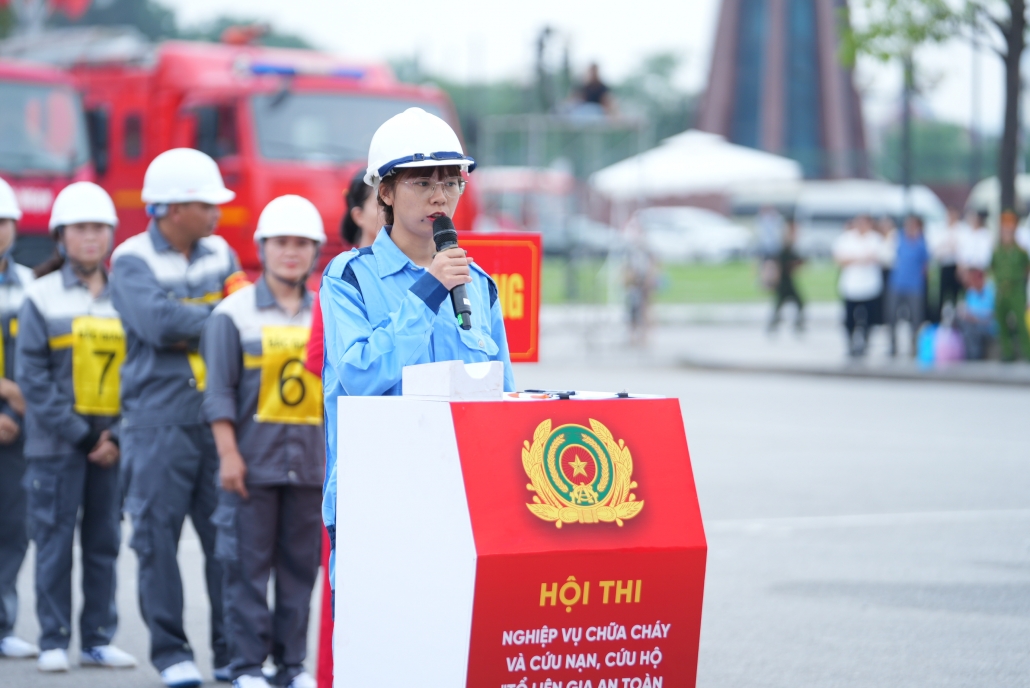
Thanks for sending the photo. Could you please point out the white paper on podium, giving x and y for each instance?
(405, 557)
(454, 381)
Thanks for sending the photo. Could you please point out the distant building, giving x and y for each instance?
(777, 84)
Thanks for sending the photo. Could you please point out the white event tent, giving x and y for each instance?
(693, 163)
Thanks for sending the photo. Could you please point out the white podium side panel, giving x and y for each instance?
(405, 556)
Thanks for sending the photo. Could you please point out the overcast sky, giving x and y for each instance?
(484, 39)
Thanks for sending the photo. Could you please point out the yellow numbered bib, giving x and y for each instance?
(3, 345)
(98, 349)
(288, 392)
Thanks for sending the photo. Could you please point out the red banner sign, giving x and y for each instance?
(513, 259)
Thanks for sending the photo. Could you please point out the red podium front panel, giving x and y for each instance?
(579, 561)
(613, 568)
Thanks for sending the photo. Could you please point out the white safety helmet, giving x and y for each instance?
(9, 209)
(414, 138)
(184, 175)
(290, 216)
(82, 202)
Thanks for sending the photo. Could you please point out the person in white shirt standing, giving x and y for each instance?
(975, 246)
(860, 252)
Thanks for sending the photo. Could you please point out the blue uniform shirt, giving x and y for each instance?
(382, 312)
(909, 273)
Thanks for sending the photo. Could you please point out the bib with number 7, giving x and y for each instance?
(98, 350)
(288, 392)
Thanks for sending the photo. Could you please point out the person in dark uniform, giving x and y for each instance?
(70, 351)
(787, 263)
(265, 412)
(14, 541)
(1010, 266)
(165, 282)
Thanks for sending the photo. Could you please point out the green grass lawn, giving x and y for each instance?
(735, 282)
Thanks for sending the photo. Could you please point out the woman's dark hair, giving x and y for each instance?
(357, 194)
(390, 182)
(52, 264)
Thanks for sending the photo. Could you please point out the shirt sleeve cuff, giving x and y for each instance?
(430, 290)
(217, 407)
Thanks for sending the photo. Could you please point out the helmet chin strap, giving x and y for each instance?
(290, 283)
(81, 270)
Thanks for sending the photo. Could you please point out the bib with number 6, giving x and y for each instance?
(288, 392)
(98, 350)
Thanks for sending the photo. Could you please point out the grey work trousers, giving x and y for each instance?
(909, 305)
(279, 528)
(14, 538)
(170, 473)
(57, 488)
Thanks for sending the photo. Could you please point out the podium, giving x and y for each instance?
(490, 540)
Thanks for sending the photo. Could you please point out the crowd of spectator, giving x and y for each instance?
(958, 281)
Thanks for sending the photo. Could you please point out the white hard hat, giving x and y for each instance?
(290, 216)
(414, 138)
(9, 209)
(182, 175)
(82, 202)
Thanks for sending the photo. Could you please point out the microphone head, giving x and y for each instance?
(444, 234)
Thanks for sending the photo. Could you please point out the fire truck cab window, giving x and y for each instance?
(216, 131)
(42, 129)
(132, 137)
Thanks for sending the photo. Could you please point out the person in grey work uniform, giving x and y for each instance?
(165, 283)
(70, 348)
(265, 410)
(13, 534)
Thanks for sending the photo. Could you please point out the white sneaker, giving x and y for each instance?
(107, 656)
(303, 680)
(247, 681)
(53, 660)
(182, 675)
(16, 648)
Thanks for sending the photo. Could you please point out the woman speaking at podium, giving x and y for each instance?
(384, 305)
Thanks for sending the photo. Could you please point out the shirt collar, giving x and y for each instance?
(70, 279)
(389, 258)
(263, 297)
(10, 275)
(161, 243)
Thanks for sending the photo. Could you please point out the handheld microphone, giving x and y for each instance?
(446, 237)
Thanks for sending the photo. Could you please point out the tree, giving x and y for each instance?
(158, 22)
(651, 89)
(152, 19)
(213, 32)
(895, 28)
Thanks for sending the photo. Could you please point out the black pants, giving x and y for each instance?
(787, 292)
(949, 287)
(859, 317)
(279, 528)
(57, 488)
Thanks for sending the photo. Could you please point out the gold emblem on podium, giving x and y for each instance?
(579, 475)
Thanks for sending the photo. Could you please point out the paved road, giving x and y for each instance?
(861, 532)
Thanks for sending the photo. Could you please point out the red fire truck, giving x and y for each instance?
(43, 147)
(277, 121)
